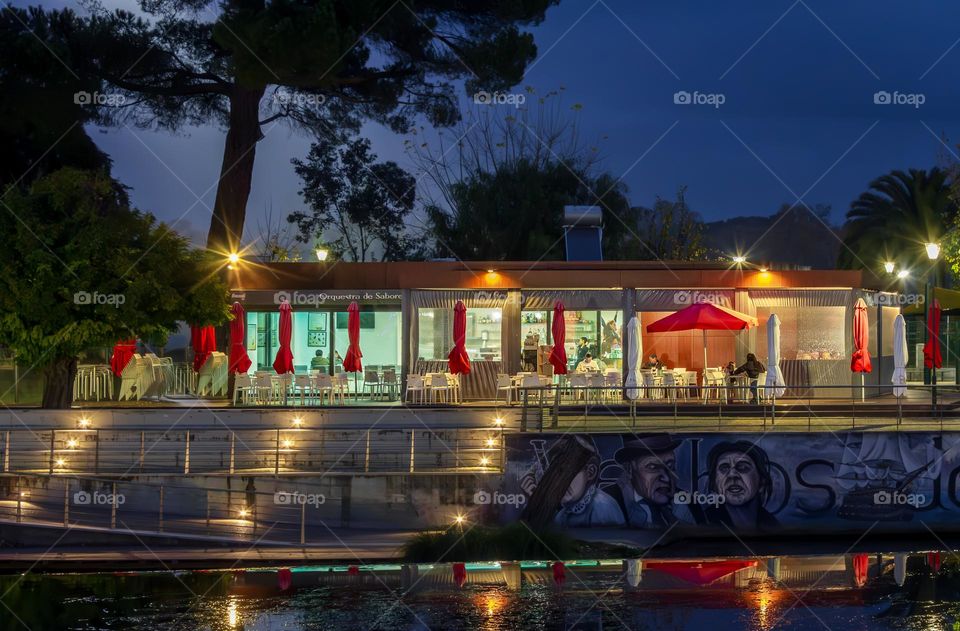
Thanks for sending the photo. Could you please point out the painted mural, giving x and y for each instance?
(732, 484)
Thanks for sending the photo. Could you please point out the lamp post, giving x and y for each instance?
(933, 253)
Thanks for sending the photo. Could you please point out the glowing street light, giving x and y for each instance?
(233, 258)
(72, 443)
(458, 519)
(933, 250)
(322, 254)
(888, 267)
(739, 259)
(903, 274)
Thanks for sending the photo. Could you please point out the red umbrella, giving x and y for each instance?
(860, 361)
(239, 361)
(558, 356)
(283, 363)
(459, 574)
(704, 316)
(284, 578)
(931, 350)
(699, 572)
(860, 562)
(203, 339)
(458, 360)
(123, 352)
(352, 363)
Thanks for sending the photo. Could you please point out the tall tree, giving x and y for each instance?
(361, 203)
(80, 269)
(670, 231)
(322, 62)
(895, 217)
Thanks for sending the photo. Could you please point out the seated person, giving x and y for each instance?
(589, 364)
(652, 362)
(319, 362)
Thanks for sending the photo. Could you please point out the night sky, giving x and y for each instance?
(798, 80)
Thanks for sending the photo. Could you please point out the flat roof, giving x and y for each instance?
(252, 275)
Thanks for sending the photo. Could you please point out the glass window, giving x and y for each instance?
(379, 339)
(482, 339)
(813, 333)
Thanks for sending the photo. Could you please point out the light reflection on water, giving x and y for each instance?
(208, 601)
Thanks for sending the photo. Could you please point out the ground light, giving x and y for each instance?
(484, 461)
(491, 442)
(287, 443)
(297, 422)
(60, 462)
(243, 513)
(498, 422)
(83, 423)
(72, 443)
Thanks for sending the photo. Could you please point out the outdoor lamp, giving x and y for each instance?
(888, 267)
(484, 461)
(739, 260)
(233, 258)
(459, 519)
(933, 251)
(322, 254)
(83, 423)
(72, 443)
(903, 273)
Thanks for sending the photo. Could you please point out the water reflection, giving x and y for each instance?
(808, 593)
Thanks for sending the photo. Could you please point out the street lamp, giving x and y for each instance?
(739, 260)
(933, 253)
(903, 274)
(933, 250)
(888, 267)
(322, 253)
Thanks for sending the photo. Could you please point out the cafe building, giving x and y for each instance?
(407, 313)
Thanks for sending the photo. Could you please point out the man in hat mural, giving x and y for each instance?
(648, 485)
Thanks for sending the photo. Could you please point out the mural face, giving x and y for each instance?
(742, 483)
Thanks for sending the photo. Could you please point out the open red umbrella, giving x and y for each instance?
(123, 352)
(283, 363)
(704, 316)
(699, 572)
(860, 361)
(239, 360)
(558, 356)
(203, 339)
(931, 350)
(352, 363)
(457, 359)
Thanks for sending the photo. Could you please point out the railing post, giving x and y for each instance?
(556, 407)
(413, 434)
(186, 454)
(19, 500)
(143, 453)
(208, 509)
(366, 455)
(540, 409)
(303, 523)
(96, 453)
(6, 452)
(523, 413)
(233, 450)
(276, 454)
(53, 434)
(160, 512)
(66, 504)
(113, 507)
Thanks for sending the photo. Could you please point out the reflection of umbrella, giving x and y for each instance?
(123, 352)
(899, 379)
(931, 350)
(860, 563)
(283, 363)
(352, 363)
(458, 360)
(634, 353)
(774, 374)
(203, 339)
(239, 360)
(699, 572)
(704, 316)
(900, 568)
(558, 356)
(860, 360)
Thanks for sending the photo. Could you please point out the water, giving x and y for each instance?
(219, 601)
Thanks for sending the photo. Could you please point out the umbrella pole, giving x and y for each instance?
(863, 389)
(704, 332)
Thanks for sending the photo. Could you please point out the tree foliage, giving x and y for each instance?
(362, 204)
(312, 64)
(79, 268)
(894, 218)
(670, 231)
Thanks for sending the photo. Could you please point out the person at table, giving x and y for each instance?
(728, 372)
(589, 364)
(583, 349)
(319, 362)
(752, 369)
(652, 362)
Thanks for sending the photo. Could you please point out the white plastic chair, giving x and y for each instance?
(505, 385)
(243, 388)
(438, 387)
(415, 386)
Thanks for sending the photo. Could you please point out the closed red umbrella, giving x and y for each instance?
(860, 361)
(931, 350)
(123, 352)
(239, 360)
(203, 339)
(351, 362)
(283, 363)
(558, 356)
(459, 574)
(457, 359)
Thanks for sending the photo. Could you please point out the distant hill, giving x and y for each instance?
(793, 235)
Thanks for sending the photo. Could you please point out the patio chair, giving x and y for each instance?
(263, 388)
(389, 383)
(303, 385)
(713, 384)
(371, 381)
(672, 386)
(243, 389)
(611, 384)
(438, 387)
(323, 386)
(341, 386)
(415, 386)
(578, 385)
(651, 385)
(454, 383)
(505, 385)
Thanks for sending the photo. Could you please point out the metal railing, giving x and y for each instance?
(274, 451)
(543, 404)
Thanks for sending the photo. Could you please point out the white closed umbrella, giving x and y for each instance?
(900, 568)
(634, 353)
(774, 383)
(899, 379)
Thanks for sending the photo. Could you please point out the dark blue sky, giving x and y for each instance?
(798, 79)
